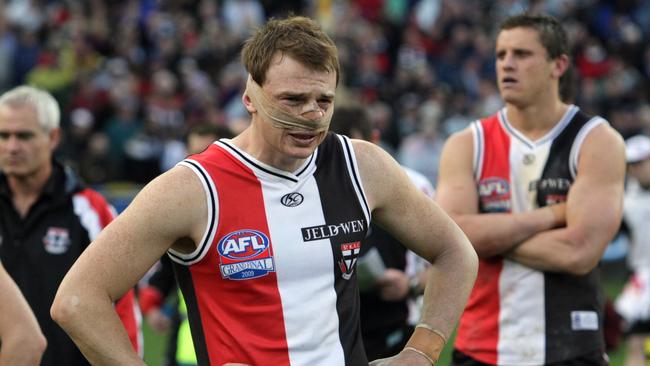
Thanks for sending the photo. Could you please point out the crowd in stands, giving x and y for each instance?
(133, 76)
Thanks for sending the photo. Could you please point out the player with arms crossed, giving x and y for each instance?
(538, 189)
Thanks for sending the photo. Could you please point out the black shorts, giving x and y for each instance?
(381, 345)
(640, 327)
(596, 358)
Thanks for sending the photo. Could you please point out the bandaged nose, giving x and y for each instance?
(313, 113)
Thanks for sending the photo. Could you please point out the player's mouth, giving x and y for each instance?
(508, 81)
(304, 138)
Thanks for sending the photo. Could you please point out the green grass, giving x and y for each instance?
(155, 345)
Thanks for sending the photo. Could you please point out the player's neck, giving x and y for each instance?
(535, 120)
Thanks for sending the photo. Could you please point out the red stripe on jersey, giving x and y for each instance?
(242, 320)
(478, 330)
(100, 206)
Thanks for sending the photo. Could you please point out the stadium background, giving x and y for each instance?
(133, 75)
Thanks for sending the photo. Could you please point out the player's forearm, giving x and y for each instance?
(560, 250)
(496, 233)
(23, 347)
(450, 281)
(91, 322)
(451, 278)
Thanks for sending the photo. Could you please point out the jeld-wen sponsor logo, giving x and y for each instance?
(332, 231)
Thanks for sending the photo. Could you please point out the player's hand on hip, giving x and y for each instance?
(404, 358)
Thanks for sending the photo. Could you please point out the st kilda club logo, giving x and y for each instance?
(292, 199)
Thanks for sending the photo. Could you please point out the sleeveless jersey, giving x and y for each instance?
(272, 282)
(517, 315)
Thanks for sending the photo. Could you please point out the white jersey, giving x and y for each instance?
(636, 213)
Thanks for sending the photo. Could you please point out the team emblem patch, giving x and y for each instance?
(57, 240)
(245, 254)
(292, 199)
(348, 261)
(529, 159)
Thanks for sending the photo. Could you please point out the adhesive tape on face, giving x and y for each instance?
(282, 118)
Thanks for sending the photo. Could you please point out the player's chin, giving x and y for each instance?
(511, 98)
(12, 168)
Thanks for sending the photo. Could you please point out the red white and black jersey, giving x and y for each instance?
(272, 282)
(517, 315)
(38, 250)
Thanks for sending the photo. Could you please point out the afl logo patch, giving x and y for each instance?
(292, 199)
(494, 193)
(245, 254)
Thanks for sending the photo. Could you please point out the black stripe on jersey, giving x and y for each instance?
(561, 125)
(253, 163)
(213, 207)
(349, 155)
(566, 293)
(340, 203)
(184, 279)
(557, 164)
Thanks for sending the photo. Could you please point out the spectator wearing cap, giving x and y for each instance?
(633, 304)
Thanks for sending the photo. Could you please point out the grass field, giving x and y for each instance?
(613, 279)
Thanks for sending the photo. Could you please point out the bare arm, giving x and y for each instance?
(168, 209)
(491, 233)
(22, 341)
(415, 220)
(593, 211)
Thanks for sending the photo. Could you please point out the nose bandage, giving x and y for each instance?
(280, 117)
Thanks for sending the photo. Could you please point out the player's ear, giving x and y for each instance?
(248, 103)
(55, 137)
(561, 65)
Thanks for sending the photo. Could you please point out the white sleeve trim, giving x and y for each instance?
(212, 199)
(577, 143)
(479, 149)
(353, 170)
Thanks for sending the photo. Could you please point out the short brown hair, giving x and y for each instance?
(298, 37)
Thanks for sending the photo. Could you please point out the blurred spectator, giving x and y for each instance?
(421, 150)
(120, 128)
(176, 63)
(634, 302)
(7, 49)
